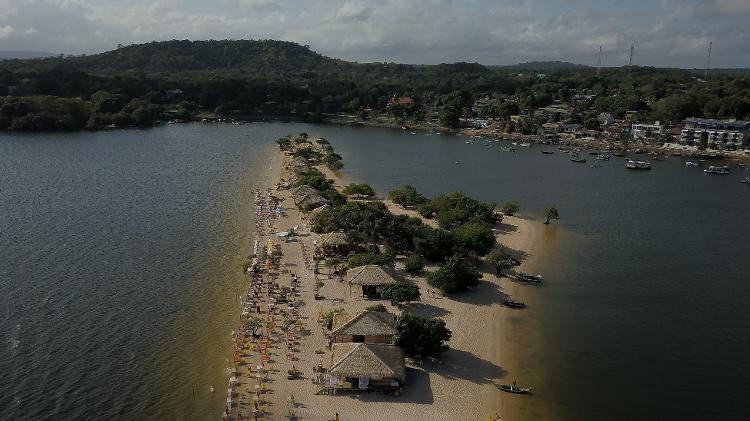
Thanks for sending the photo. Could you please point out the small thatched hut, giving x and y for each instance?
(367, 326)
(307, 198)
(361, 366)
(372, 278)
(335, 243)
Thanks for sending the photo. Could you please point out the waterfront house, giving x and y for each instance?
(366, 367)
(372, 279)
(724, 134)
(367, 326)
(605, 119)
(647, 132)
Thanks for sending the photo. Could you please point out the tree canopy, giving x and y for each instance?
(422, 336)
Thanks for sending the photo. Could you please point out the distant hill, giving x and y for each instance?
(23, 55)
(543, 66)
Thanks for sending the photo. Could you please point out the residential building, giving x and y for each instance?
(362, 366)
(721, 134)
(605, 119)
(647, 132)
(372, 279)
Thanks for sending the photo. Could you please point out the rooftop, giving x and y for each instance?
(369, 275)
(367, 360)
(365, 323)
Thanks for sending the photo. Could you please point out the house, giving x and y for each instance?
(372, 279)
(572, 128)
(647, 132)
(366, 367)
(307, 198)
(605, 119)
(722, 134)
(372, 327)
(403, 101)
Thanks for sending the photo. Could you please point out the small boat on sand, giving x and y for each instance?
(513, 304)
(513, 388)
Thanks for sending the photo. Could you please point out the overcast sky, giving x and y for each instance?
(666, 32)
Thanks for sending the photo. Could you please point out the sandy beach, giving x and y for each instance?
(462, 385)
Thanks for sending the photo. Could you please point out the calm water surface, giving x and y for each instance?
(120, 250)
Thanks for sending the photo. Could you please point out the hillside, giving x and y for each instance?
(544, 66)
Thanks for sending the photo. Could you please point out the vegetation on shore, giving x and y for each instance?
(138, 85)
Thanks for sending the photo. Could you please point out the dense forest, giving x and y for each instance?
(138, 85)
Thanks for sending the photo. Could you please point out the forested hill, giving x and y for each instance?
(139, 84)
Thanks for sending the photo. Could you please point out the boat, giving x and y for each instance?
(525, 145)
(513, 388)
(745, 180)
(513, 304)
(618, 153)
(514, 143)
(547, 152)
(594, 153)
(530, 277)
(725, 170)
(692, 164)
(603, 157)
(637, 165)
(577, 158)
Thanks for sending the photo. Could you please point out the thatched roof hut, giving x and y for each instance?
(307, 198)
(372, 278)
(366, 326)
(298, 165)
(373, 361)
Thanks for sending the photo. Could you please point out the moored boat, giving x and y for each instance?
(547, 152)
(692, 164)
(513, 388)
(577, 158)
(530, 277)
(513, 304)
(637, 165)
(725, 170)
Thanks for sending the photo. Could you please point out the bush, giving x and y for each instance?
(414, 264)
(474, 237)
(458, 274)
(308, 153)
(361, 189)
(328, 318)
(401, 292)
(406, 196)
(421, 335)
(371, 258)
(454, 209)
(510, 208)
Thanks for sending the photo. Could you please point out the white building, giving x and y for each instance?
(647, 132)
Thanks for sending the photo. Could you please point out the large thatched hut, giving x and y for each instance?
(335, 243)
(307, 198)
(367, 367)
(372, 279)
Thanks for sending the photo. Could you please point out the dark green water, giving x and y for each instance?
(120, 250)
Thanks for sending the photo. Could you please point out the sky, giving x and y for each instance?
(666, 33)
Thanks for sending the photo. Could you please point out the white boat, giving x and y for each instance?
(718, 170)
(692, 164)
(633, 164)
(525, 145)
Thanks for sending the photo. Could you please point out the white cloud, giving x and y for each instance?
(6, 31)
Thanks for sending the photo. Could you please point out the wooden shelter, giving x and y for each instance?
(366, 326)
(335, 243)
(372, 279)
(367, 367)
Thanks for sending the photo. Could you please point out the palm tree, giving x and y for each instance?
(551, 213)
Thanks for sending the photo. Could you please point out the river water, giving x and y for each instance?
(120, 256)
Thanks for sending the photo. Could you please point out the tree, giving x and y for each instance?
(433, 243)
(474, 237)
(361, 189)
(502, 258)
(703, 143)
(449, 117)
(510, 208)
(370, 258)
(421, 336)
(254, 324)
(401, 292)
(458, 274)
(406, 196)
(414, 264)
(551, 213)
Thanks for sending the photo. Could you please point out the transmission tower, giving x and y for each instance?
(632, 50)
(599, 62)
(708, 60)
